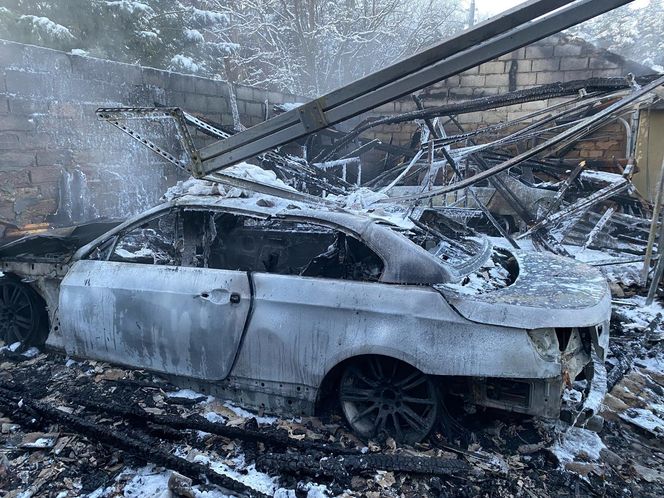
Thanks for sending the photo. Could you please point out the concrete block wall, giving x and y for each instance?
(59, 163)
(558, 58)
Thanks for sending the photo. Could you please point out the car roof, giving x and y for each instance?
(405, 261)
(266, 205)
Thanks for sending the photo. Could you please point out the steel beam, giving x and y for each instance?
(497, 36)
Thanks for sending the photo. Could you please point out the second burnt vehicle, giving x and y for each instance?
(283, 306)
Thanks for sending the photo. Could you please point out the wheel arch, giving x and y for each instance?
(332, 376)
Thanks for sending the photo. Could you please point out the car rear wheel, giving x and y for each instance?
(22, 314)
(384, 396)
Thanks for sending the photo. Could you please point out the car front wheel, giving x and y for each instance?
(384, 396)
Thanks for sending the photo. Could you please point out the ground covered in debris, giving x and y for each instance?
(86, 428)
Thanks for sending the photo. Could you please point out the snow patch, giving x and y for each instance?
(193, 35)
(254, 173)
(209, 16)
(245, 171)
(71, 363)
(577, 442)
(31, 352)
(148, 483)
(289, 106)
(602, 176)
(240, 412)
(189, 394)
(49, 28)
(638, 316)
(645, 419)
(148, 35)
(489, 277)
(130, 7)
(214, 417)
(194, 186)
(184, 63)
(240, 471)
(361, 198)
(12, 347)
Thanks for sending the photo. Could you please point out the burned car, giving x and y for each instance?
(285, 307)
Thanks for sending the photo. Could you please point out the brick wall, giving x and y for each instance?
(59, 163)
(556, 58)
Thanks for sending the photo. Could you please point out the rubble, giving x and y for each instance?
(109, 431)
(84, 428)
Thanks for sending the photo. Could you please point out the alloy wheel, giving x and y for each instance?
(386, 396)
(19, 316)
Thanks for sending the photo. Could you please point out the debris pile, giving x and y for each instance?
(73, 428)
(86, 428)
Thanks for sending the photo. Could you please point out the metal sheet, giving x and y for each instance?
(302, 327)
(487, 41)
(550, 291)
(168, 319)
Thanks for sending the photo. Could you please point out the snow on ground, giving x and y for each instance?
(214, 417)
(152, 481)
(241, 412)
(635, 314)
(148, 482)
(645, 419)
(188, 394)
(237, 469)
(576, 443)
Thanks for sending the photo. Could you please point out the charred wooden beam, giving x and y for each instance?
(135, 413)
(128, 441)
(342, 468)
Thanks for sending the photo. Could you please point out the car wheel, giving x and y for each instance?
(380, 395)
(22, 315)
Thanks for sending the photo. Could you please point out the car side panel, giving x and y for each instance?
(177, 320)
(301, 327)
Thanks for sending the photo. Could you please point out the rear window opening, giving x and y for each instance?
(204, 239)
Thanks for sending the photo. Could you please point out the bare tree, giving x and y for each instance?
(311, 46)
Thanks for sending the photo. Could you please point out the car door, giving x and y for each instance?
(140, 306)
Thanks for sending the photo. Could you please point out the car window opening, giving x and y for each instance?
(291, 248)
(231, 242)
(158, 241)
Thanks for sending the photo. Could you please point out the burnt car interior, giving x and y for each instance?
(228, 241)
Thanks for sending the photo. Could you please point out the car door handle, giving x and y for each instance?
(235, 298)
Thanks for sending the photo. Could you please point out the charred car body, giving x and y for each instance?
(279, 305)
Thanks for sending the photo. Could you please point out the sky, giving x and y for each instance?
(492, 7)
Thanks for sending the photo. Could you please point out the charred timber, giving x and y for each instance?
(543, 92)
(135, 413)
(129, 442)
(342, 468)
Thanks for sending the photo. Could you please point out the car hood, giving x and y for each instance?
(55, 244)
(549, 291)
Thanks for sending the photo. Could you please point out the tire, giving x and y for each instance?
(23, 316)
(383, 396)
